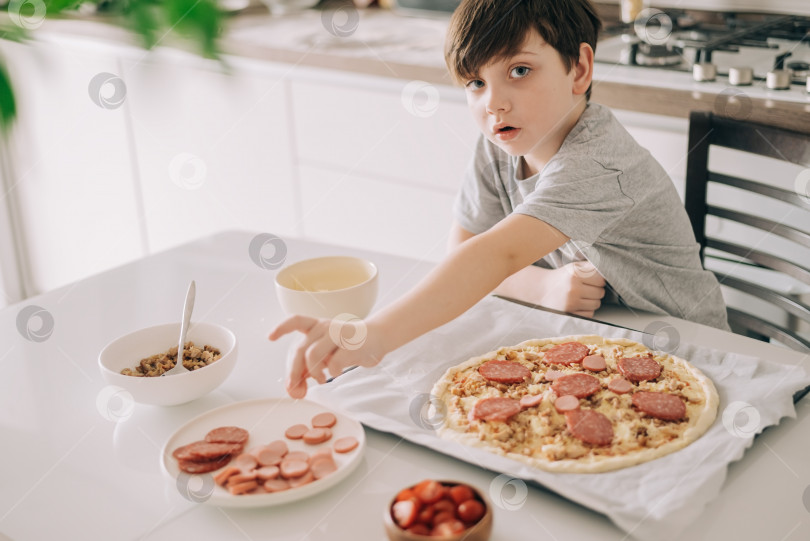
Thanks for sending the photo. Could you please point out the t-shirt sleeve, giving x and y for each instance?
(478, 204)
(578, 196)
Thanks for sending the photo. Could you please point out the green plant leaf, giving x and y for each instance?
(199, 19)
(8, 105)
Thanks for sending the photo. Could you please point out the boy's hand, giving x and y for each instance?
(577, 288)
(330, 345)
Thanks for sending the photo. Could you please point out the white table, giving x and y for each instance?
(66, 472)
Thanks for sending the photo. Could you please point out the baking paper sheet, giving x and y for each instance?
(659, 498)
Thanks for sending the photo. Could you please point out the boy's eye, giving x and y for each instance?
(520, 71)
(475, 83)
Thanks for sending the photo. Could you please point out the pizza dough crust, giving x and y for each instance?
(538, 437)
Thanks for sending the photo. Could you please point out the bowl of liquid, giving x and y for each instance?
(326, 287)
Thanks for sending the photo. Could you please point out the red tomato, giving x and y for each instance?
(419, 529)
(429, 491)
(406, 494)
(471, 511)
(405, 512)
(445, 506)
(447, 528)
(461, 493)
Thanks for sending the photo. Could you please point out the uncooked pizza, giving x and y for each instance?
(579, 404)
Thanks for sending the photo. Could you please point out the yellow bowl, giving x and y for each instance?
(480, 531)
(326, 287)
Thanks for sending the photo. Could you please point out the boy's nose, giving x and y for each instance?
(497, 102)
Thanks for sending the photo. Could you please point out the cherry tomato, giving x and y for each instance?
(405, 512)
(471, 511)
(429, 491)
(447, 528)
(461, 493)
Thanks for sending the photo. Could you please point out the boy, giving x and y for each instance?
(553, 178)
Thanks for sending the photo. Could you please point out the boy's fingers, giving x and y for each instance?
(297, 382)
(298, 390)
(295, 323)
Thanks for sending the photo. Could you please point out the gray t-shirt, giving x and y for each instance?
(618, 206)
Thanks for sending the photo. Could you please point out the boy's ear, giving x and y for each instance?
(583, 69)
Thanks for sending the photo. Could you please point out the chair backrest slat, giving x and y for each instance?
(785, 231)
(789, 303)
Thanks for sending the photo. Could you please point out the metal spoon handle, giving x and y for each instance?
(188, 307)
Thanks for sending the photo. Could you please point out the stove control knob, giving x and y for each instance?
(741, 76)
(704, 71)
(778, 79)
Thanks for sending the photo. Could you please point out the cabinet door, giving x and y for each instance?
(213, 148)
(373, 214)
(405, 130)
(72, 178)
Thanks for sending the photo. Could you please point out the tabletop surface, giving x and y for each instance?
(67, 471)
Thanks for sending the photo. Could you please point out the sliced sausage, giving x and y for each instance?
(317, 435)
(228, 434)
(201, 451)
(668, 407)
(246, 462)
(579, 385)
(345, 445)
(567, 353)
(276, 485)
(594, 363)
(324, 420)
(298, 455)
(566, 403)
(293, 468)
(323, 467)
(201, 467)
(301, 480)
(619, 385)
(494, 409)
(242, 477)
(296, 432)
(551, 375)
(267, 472)
(504, 371)
(222, 477)
(589, 426)
(639, 368)
(267, 456)
(530, 400)
(278, 447)
(242, 488)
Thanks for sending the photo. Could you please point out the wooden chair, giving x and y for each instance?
(750, 263)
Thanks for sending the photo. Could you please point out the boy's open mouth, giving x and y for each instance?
(505, 128)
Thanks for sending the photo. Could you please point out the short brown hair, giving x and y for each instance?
(484, 30)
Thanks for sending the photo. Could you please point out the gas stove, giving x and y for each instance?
(768, 53)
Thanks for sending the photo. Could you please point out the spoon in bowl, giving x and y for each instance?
(181, 346)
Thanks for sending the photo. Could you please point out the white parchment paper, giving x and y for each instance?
(659, 498)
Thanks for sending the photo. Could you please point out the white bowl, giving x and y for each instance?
(328, 286)
(128, 350)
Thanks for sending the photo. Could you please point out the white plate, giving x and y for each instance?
(266, 419)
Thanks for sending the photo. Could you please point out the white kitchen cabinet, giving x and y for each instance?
(375, 214)
(213, 148)
(72, 176)
(405, 130)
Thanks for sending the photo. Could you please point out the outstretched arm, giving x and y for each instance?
(469, 273)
